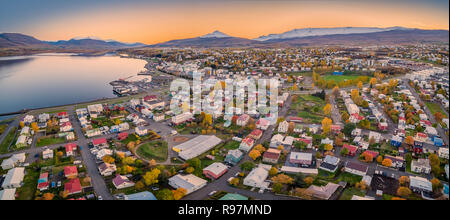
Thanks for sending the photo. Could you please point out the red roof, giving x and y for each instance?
(248, 141)
(351, 148)
(150, 97)
(122, 135)
(273, 154)
(295, 119)
(43, 185)
(256, 132)
(70, 171)
(43, 176)
(62, 114)
(306, 141)
(70, 147)
(358, 116)
(423, 135)
(426, 122)
(335, 127)
(99, 141)
(73, 186)
(66, 124)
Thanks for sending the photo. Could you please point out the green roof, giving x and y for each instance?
(233, 196)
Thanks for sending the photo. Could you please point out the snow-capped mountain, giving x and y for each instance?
(215, 34)
(308, 32)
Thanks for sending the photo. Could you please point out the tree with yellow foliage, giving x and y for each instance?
(260, 148)
(309, 180)
(360, 85)
(273, 171)
(328, 147)
(373, 81)
(254, 154)
(179, 193)
(108, 159)
(326, 125)
(283, 179)
(327, 109)
(22, 124)
(151, 177)
(35, 127)
(190, 170)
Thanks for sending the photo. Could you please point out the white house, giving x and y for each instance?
(243, 120)
(122, 182)
(283, 127)
(376, 136)
(443, 152)
(356, 168)
(8, 194)
(141, 131)
(257, 177)
(47, 154)
(107, 169)
(421, 166)
(189, 182)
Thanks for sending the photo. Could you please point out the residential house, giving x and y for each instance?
(13, 161)
(70, 149)
(215, 170)
(100, 142)
(323, 192)
(421, 166)
(375, 136)
(234, 156)
(181, 118)
(73, 186)
(271, 156)
(256, 134)
(257, 177)
(300, 158)
(283, 127)
(122, 136)
(420, 184)
(141, 131)
(47, 154)
(243, 120)
(122, 182)
(107, 169)
(246, 144)
(43, 182)
(70, 172)
(356, 168)
(190, 182)
(351, 149)
(330, 163)
(443, 152)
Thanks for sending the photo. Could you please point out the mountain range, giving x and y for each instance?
(294, 38)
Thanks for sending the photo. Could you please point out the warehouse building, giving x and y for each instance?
(196, 146)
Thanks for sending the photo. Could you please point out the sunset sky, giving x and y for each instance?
(158, 21)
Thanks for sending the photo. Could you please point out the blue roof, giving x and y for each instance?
(146, 195)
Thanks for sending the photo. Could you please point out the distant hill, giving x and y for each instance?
(15, 40)
(92, 43)
(215, 39)
(409, 36)
(20, 40)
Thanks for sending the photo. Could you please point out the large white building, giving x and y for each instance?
(257, 177)
(14, 178)
(178, 119)
(8, 194)
(13, 161)
(196, 146)
(189, 182)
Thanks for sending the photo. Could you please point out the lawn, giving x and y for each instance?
(232, 145)
(3, 128)
(349, 178)
(338, 78)
(48, 140)
(156, 150)
(349, 192)
(8, 139)
(435, 108)
(308, 107)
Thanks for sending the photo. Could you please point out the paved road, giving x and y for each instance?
(439, 129)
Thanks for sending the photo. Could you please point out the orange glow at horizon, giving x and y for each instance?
(240, 19)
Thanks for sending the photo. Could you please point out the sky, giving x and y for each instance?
(154, 21)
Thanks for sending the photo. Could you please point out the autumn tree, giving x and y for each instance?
(22, 124)
(387, 162)
(190, 170)
(234, 182)
(139, 185)
(336, 91)
(409, 140)
(254, 154)
(403, 191)
(179, 193)
(283, 179)
(151, 177)
(437, 185)
(403, 180)
(327, 109)
(108, 159)
(360, 85)
(326, 125)
(309, 180)
(260, 148)
(379, 159)
(48, 196)
(273, 171)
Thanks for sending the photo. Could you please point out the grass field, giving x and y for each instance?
(308, 107)
(156, 150)
(349, 192)
(3, 128)
(27, 191)
(9, 137)
(338, 79)
(435, 108)
(45, 141)
(232, 145)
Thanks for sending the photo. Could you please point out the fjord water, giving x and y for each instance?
(57, 79)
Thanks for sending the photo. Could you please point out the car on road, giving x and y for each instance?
(212, 193)
(237, 174)
(99, 198)
(261, 191)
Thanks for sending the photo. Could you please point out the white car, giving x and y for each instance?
(212, 193)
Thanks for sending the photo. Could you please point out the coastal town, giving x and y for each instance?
(353, 123)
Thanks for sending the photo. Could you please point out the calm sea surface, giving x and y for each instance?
(56, 79)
